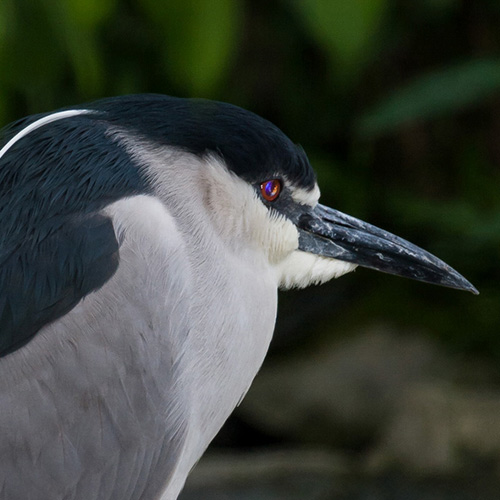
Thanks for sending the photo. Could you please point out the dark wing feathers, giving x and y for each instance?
(40, 285)
(55, 245)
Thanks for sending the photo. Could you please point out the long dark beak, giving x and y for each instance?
(330, 233)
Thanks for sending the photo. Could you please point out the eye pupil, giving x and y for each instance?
(270, 189)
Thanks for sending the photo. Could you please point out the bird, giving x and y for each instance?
(143, 240)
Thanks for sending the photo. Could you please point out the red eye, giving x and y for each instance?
(270, 190)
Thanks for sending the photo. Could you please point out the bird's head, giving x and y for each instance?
(307, 242)
(260, 189)
(257, 187)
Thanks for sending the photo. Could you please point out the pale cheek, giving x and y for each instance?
(301, 269)
(282, 239)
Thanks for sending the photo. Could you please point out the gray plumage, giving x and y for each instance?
(141, 254)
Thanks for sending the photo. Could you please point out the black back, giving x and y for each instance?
(55, 247)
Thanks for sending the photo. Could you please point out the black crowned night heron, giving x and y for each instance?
(142, 242)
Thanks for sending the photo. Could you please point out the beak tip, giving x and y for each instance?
(330, 233)
(460, 283)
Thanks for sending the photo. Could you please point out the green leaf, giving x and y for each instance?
(199, 40)
(74, 25)
(29, 55)
(345, 29)
(89, 13)
(4, 22)
(437, 94)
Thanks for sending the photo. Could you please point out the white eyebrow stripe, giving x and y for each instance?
(40, 123)
(305, 197)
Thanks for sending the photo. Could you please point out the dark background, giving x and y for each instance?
(397, 104)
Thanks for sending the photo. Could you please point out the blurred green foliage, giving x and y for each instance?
(396, 102)
(437, 94)
(344, 30)
(196, 54)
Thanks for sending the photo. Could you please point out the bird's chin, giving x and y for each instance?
(301, 269)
